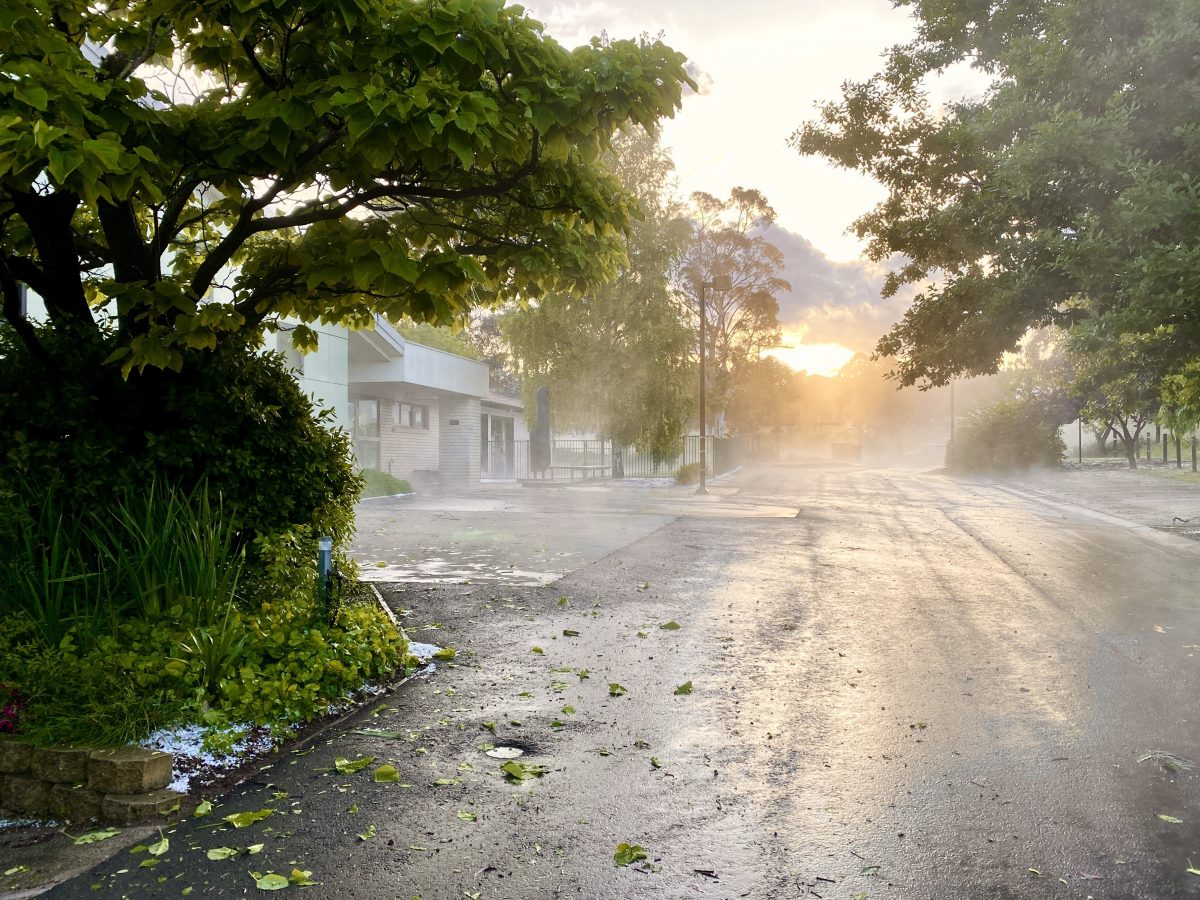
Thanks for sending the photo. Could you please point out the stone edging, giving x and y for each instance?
(122, 786)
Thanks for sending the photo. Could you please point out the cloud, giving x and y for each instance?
(704, 81)
(832, 302)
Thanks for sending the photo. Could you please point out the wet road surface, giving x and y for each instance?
(911, 688)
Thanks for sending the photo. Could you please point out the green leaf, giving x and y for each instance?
(629, 853)
(445, 653)
(203, 809)
(671, 626)
(246, 819)
(616, 690)
(570, 632)
(159, 847)
(442, 782)
(347, 767)
(568, 710)
(254, 848)
(537, 650)
(654, 761)
(93, 837)
(869, 870)
(467, 816)
(1171, 819)
(375, 732)
(386, 774)
(302, 878)
(683, 689)
(270, 882)
(518, 772)
(368, 834)
(149, 863)
(221, 853)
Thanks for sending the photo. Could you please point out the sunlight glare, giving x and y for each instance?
(815, 359)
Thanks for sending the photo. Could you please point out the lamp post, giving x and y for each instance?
(718, 283)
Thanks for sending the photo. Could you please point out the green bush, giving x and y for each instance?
(381, 484)
(689, 474)
(1007, 436)
(232, 417)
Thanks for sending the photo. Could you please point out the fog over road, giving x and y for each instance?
(910, 687)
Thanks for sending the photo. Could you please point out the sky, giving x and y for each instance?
(764, 66)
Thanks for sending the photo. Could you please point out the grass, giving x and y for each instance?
(381, 484)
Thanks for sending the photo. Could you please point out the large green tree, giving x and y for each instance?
(177, 176)
(618, 359)
(1067, 191)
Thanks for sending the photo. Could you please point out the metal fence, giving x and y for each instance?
(510, 459)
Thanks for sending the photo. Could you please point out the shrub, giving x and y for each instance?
(1007, 436)
(232, 417)
(381, 484)
(689, 474)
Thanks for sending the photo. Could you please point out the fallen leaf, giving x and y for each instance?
(670, 626)
(369, 833)
(254, 848)
(246, 819)
(149, 863)
(615, 690)
(301, 878)
(445, 653)
(159, 847)
(537, 650)
(222, 852)
(446, 781)
(629, 853)
(375, 732)
(203, 809)
(386, 774)
(869, 870)
(467, 816)
(15, 870)
(269, 882)
(654, 761)
(570, 632)
(93, 837)
(518, 772)
(568, 710)
(1171, 819)
(346, 767)
(683, 689)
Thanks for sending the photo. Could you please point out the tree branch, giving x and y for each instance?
(14, 315)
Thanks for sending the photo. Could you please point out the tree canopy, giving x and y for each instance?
(727, 238)
(618, 359)
(1066, 192)
(200, 170)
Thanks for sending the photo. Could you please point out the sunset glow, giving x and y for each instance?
(815, 359)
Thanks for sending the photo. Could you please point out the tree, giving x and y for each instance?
(769, 396)
(1067, 192)
(727, 239)
(1118, 384)
(617, 360)
(175, 177)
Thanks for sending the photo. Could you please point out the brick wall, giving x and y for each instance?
(458, 432)
(404, 450)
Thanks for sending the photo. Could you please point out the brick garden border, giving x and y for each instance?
(121, 786)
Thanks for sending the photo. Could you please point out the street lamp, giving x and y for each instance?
(718, 283)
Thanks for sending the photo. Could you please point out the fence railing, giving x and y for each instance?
(510, 459)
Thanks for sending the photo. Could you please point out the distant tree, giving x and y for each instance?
(1066, 192)
(439, 337)
(727, 239)
(485, 333)
(768, 396)
(1118, 383)
(617, 359)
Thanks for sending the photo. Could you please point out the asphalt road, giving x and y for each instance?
(911, 688)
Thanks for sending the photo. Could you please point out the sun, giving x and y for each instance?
(815, 359)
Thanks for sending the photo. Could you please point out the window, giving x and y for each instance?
(410, 415)
(364, 431)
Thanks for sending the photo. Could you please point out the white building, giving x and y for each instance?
(412, 411)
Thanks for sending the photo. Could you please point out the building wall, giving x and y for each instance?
(323, 374)
(458, 432)
(404, 450)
